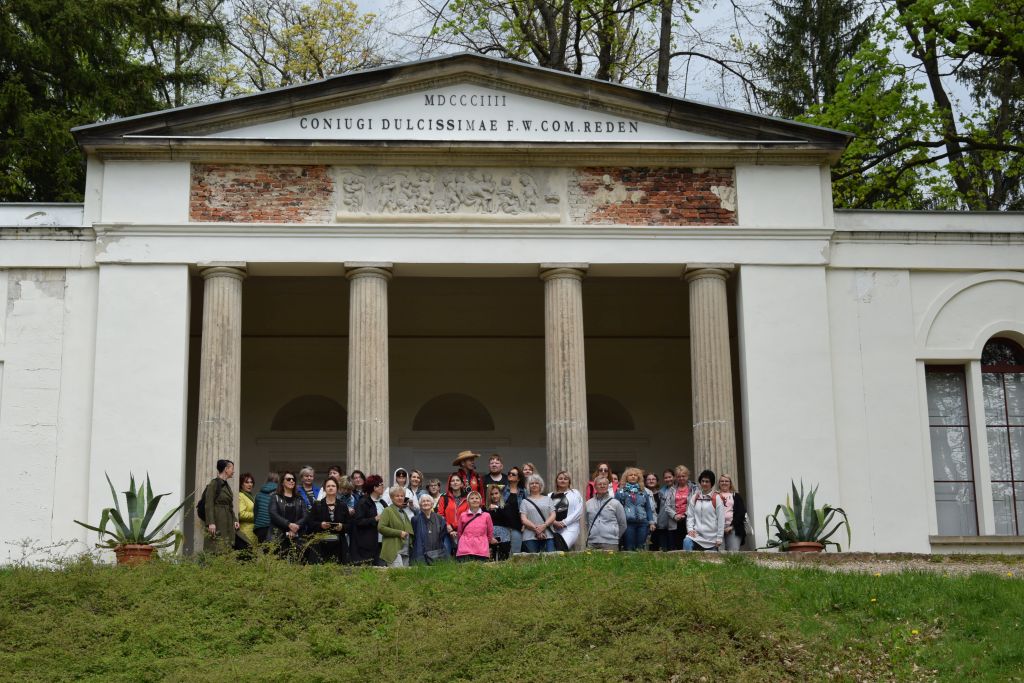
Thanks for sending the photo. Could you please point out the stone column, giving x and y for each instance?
(565, 377)
(367, 444)
(714, 429)
(220, 377)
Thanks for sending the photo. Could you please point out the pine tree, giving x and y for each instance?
(806, 42)
(64, 64)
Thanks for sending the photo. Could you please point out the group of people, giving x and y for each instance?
(357, 519)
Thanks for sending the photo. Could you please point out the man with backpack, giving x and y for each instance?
(217, 509)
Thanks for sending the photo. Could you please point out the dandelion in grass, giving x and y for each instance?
(874, 599)
(913, 631)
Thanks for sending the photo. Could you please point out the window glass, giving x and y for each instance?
(1004, 404)
(1003, 507)
(1014, 383)
(955, 508)
(949, 427)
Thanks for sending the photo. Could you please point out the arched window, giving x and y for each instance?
(453, 413)
(1002, 366)
(311, 412)
(604, 413)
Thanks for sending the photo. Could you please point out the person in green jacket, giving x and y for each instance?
(395, 527)
(219, 502)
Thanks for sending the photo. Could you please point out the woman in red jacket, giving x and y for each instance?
(452, 504)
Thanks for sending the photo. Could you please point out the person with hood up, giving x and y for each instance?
(607, 518)
(452, 504)
(396, 530)
(705, 517)
(261, 507)
(401, 478)
(471, 481)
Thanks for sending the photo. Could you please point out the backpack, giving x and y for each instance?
(201, 505)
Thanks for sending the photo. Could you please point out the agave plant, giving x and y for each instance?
(801, 521)
(141, 504)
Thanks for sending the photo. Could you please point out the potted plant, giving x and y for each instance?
(802, 527)
(134, 541)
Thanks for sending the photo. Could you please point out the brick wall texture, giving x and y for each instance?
(261, 194)
(271, 193)
(652, 196)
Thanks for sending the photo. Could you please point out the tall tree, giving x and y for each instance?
(610, 40)
(806, 41)
(979, 43)
(64, 64)
(944, 131)
(282, 42)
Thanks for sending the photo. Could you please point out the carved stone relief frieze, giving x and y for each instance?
(448, 194)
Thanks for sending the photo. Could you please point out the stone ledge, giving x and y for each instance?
(1014, 544)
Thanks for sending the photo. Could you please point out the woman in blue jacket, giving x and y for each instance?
(639, 511)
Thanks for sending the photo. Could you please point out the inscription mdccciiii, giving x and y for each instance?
(469, 113)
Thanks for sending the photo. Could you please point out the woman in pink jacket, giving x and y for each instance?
(476, 532)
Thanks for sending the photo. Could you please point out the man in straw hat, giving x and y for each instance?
(466, 462)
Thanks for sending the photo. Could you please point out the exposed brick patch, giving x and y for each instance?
(652, 196)
(261, 194)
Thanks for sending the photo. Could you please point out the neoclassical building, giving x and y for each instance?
(387, 267)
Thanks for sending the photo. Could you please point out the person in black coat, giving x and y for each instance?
(735, 528)
(327, 520)
(287, 515)
(365, 546)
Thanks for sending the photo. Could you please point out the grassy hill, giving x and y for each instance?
(637, 617)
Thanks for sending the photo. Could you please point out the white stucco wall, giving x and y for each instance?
(882, 455)
(138, 417)
(787, 388)
(47, 319)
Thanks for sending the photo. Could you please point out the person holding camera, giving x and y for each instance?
(326, 521)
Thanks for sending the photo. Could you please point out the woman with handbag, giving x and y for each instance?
(327, 519)
(430, 540)
(537, 515)
(568, 504)
(476, 532)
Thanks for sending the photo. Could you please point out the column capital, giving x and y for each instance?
(574, 271)
(357, 270)
(695, 271)
(232, 269)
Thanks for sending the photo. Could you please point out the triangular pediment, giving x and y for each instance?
(463, 100)
(464, 112)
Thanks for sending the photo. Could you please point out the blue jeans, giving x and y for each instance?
(691, 545)
(636, 535)
(535, 546)
(517, 541)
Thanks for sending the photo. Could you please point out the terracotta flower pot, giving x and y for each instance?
(805, 547)
(132, 554)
